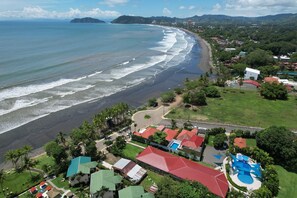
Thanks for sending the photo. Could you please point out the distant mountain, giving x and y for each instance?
(210, 19)
(86, 20)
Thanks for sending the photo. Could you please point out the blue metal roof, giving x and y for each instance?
(74, 165)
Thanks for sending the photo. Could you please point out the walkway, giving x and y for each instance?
(136, 145)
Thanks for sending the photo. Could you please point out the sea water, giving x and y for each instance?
(50, 66)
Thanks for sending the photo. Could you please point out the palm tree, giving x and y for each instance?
(28, 164)
(13, 156)
(2, 178)
(61, 139)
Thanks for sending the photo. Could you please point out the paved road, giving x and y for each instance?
(208, 125)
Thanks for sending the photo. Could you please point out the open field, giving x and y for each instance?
(251, 142)
(287, 181)
(44, 159)
(18, 182)
(131, 151)
(243, 108)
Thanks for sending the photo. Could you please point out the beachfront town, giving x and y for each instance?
(230, 132)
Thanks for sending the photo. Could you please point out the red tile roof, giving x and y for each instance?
(195, 142)
(240, 142)
(183, 168)
(161, 127)
(185, 134)
(270, 80)
(147, 133)
(195, 130)
(170, 134)
(252, 82)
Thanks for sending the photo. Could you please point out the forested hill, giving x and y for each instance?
(86, 20)
(210, 19)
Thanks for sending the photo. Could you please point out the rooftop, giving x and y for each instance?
(183, 168)
(185, 134)
(134, 192)
(194, 142)
(252, 70)
(80, 164)
(240, 142)
(104, 178)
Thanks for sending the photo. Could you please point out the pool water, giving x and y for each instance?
(174, 146)
(218, 156)
(245, 177)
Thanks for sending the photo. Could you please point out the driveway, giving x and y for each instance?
(213, 156)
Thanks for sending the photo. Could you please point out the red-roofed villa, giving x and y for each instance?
(182, 168)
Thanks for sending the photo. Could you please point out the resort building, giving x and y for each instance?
(80, 169)
(251, 74)
(134, 192)
(182, 168)
(104, 179)
(129, 170)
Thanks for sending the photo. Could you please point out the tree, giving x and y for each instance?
(262, 192)
(274, 91)
(28, 164)
(118, 146)
(160, 138)
(239, 69)
(235, 194)
(173, 124)
(178, 90)
(168, 97)
(195, 98)
(219, 140)
(152, 102)
(270, 180)
(56, 151)
(2, 178)
(61, 139)
(281, 144)
(259, 58)
(268, 71)
(91, 149)
(212, 92)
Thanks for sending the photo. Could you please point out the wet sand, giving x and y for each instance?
(39, 132)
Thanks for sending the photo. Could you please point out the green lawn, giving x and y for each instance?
(251, 142)
(210, 140)
(18, 182)
(243, 108)
(150, 179)
(60, 182)
(287, 181)
(131, 151)
(44, 159)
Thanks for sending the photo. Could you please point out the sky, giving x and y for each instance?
(110, 9)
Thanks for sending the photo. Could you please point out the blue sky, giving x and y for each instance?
(110, 9)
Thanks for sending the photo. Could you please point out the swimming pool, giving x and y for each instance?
(245, 177)
(174, 146)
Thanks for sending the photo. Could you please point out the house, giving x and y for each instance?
(271, 80)
(242, 54)
(134, 192)
(130, 170)
(104, 179)
(80, 169)
(170, 134)
(182, 168)
(230, 49)
(146, 133)
(240, 142)
(251, 74)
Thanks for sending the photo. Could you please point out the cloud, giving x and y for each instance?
(191, 7)
(37, 12)
(260, 7)
(187, 8)
(113, 3)
(216, 7)
(166, 12)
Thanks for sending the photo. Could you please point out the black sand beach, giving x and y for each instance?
(40, 131)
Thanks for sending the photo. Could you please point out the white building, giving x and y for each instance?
(250, 73)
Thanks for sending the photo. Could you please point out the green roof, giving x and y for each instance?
(134, 192)
(80, 164)
(104, 178)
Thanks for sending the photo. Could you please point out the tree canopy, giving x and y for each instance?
(273, 91)
(281, 144)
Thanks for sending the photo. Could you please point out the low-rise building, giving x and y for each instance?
(251, 74)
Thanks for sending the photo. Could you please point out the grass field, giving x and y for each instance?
(150, 179)
(131, 151)
(18, 182)
(287, 183)
(139, 143)
(243, 108)
(251, 142)
(44, 159)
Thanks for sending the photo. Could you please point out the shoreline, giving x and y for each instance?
(37, 133)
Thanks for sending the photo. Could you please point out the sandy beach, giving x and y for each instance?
(39, 132)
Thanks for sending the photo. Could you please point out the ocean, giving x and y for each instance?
(46, 67)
